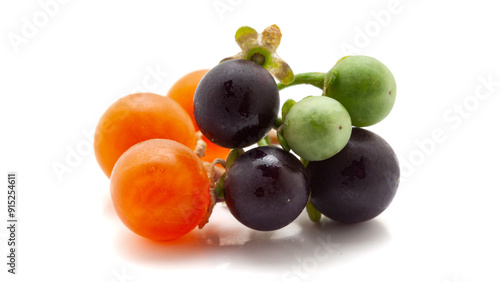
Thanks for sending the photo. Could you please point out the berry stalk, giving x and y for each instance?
(313, 78)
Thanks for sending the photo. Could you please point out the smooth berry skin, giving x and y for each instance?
(365, 87)
(317, 128)
(266, 188)
(236, 103)
(359, 182)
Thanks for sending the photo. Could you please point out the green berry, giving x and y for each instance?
(317, 127)
(364, 86)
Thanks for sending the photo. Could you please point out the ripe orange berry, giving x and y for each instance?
(159, 189)
(183, 92)
(138, 117)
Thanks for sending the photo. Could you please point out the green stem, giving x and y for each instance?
(219, 187)
(233, 155)
(281, 139)
(314, 78)
(286, 107)
(312, 212)
(278, 123)
(266, 141)
(304, 162)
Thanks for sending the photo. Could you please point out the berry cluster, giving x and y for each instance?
(163, 174)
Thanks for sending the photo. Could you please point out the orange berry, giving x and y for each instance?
(183, 92)
(138, 117)
(159, 189)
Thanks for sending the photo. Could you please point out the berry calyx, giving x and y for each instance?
(261, 49)
(212, 183)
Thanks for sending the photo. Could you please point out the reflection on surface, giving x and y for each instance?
(224, 242)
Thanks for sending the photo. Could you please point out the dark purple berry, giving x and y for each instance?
(359, 182)
(266, 188)
(236, 103)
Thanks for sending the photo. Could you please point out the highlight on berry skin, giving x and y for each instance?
(218, 135)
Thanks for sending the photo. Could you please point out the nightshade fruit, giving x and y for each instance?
(359, 182)
(266, 188)
(317, 127)
(236, 103)
(364, 86)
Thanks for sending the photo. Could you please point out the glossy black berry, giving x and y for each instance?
(359, 182)
(236, 103)
(266, 188)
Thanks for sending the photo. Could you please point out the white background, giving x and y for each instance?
(57, 78)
